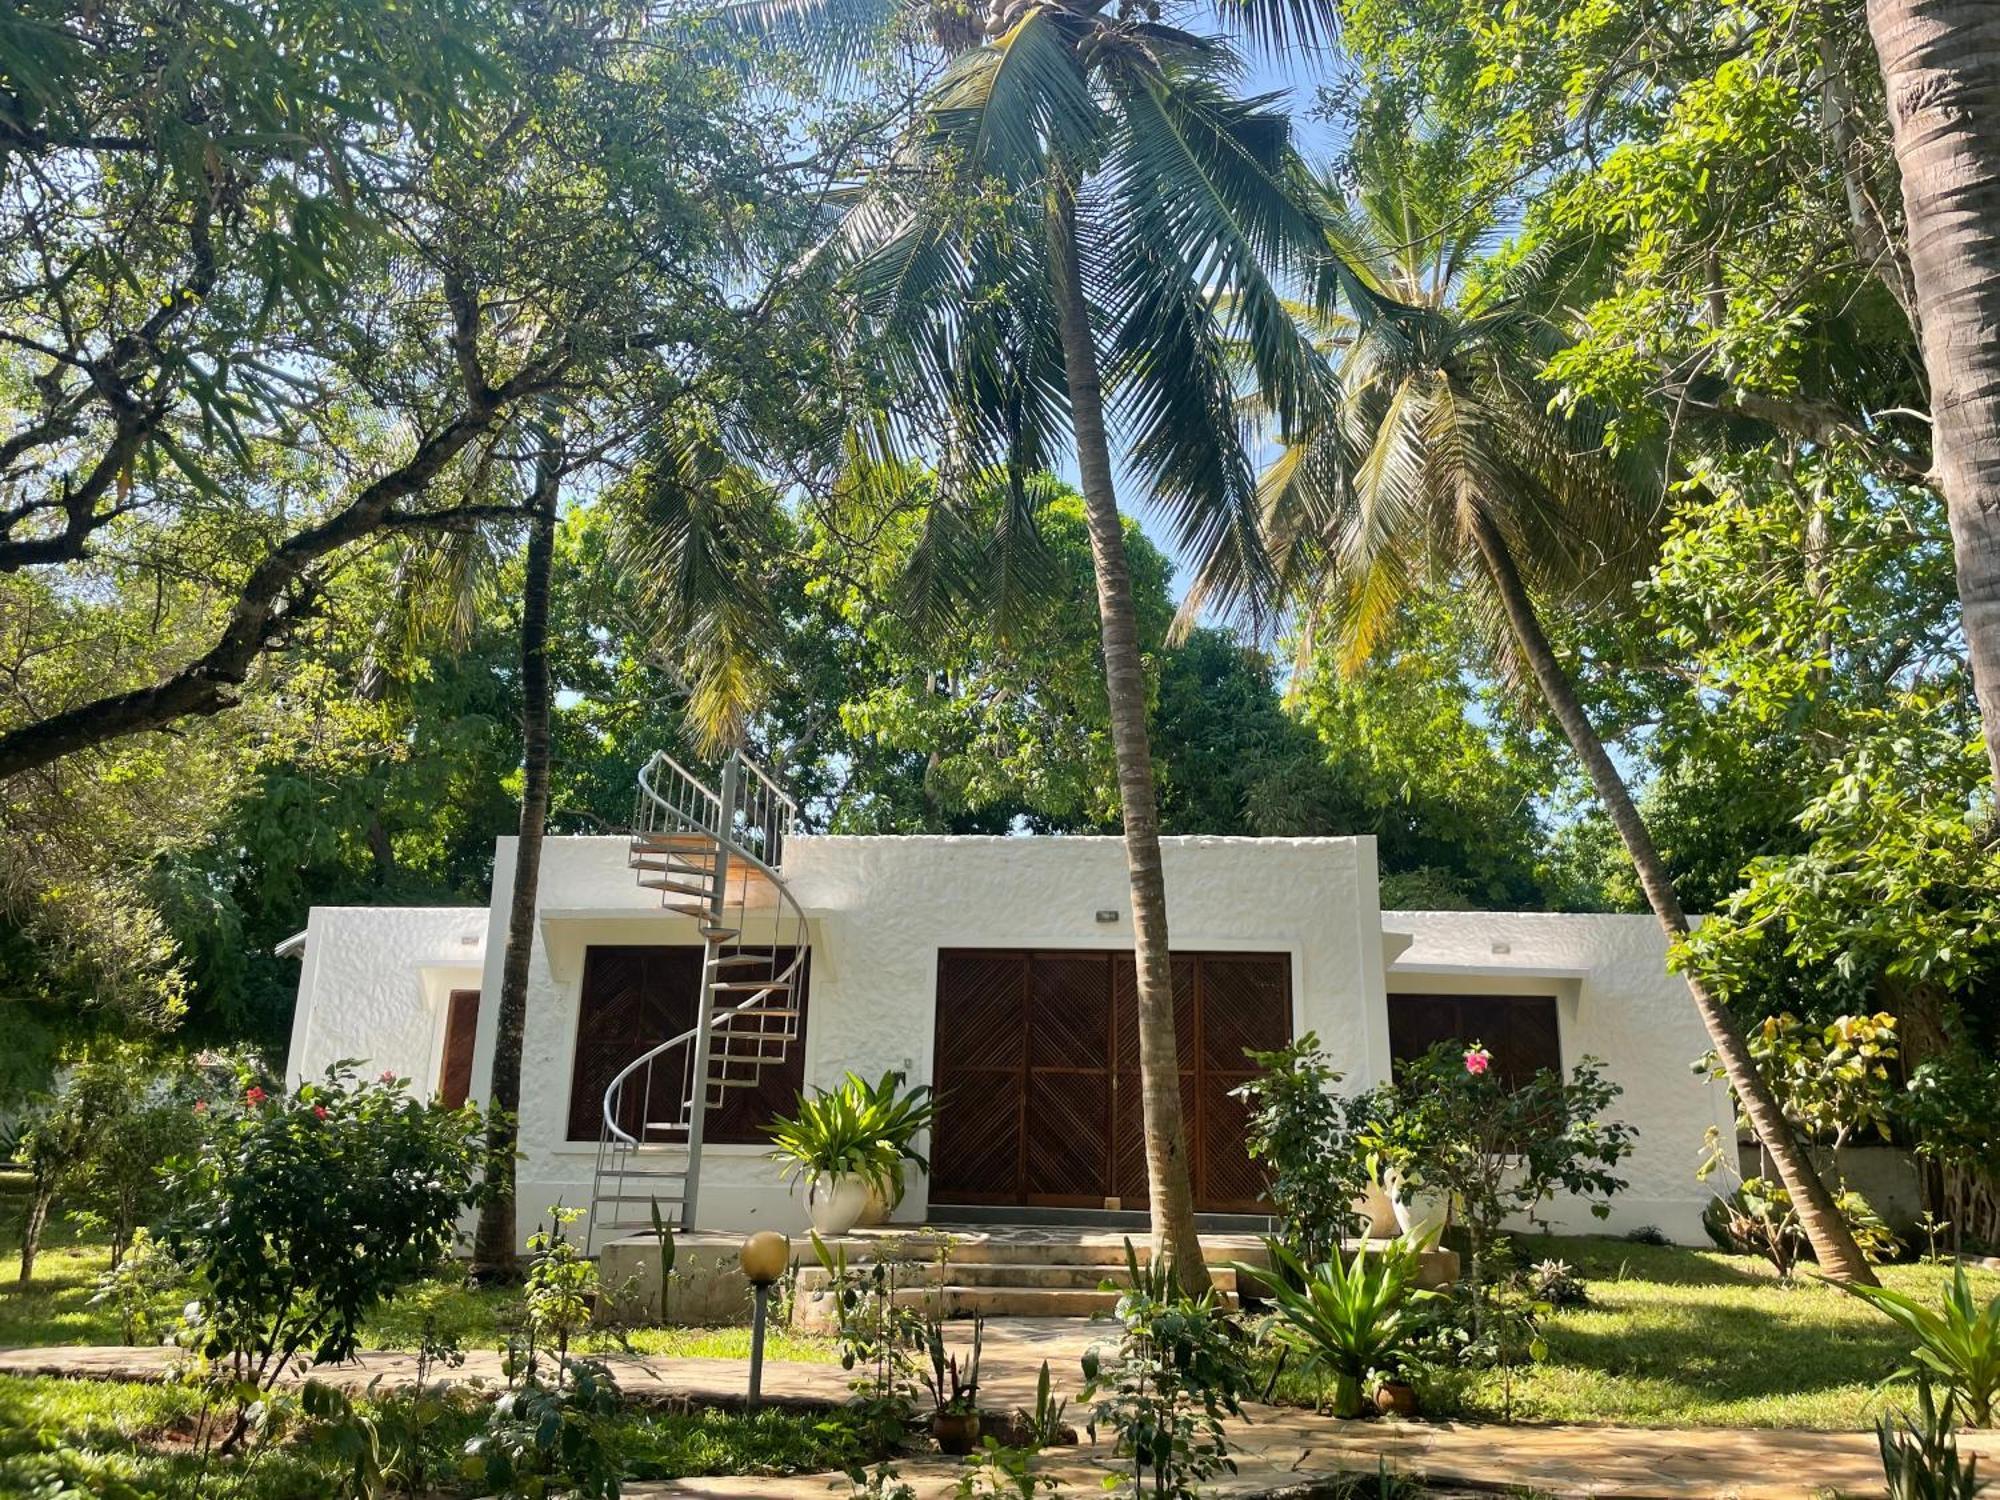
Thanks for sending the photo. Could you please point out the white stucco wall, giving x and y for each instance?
(375, 981)
(880, 908)
(1616, 1001)
(374, 984)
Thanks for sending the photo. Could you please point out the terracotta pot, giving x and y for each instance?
(956, 1432)
(1396, 1398)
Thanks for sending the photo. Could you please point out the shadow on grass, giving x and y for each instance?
(1725, 1353)
(1605, 1259)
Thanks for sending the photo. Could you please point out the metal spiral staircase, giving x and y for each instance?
(716, 854)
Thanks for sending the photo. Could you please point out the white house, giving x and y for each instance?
(996, 969)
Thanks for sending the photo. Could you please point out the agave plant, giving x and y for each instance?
(1349, 1318)
(1958, 1344)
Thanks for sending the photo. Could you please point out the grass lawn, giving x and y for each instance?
(95, 1436)
(55, 1307)
(1695, 1338)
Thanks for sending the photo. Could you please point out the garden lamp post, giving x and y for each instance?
(765, 1257)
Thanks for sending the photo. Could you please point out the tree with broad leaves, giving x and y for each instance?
(281, 279)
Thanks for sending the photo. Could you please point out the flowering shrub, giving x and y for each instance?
(1449, 1124)
(298, 1212)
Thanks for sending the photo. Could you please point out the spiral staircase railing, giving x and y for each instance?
(717, 854)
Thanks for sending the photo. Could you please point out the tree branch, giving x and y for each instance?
(269, 600)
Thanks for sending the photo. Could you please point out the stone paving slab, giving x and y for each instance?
(1279, 1450)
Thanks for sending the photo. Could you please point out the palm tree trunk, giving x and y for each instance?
(1171, 1195)
(1839, 1257)
(493, 1257)
(1941, 73)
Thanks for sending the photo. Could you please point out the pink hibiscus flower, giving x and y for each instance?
(1478, 1060)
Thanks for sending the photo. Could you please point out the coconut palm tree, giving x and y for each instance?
(1447, 460)
(1941, 73)
(1084, 226)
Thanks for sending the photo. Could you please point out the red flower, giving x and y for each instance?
(1478, 1060)
(201, 1106)
(255, 1096)
(319, 1111)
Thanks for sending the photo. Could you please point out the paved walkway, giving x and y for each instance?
(1279, 1451)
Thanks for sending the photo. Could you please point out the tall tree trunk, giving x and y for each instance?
(1941, 72)
(493, 1257)
(1833, 1246)
(1167, 1183)
(33, 1222)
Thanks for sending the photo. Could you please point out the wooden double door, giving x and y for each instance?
(1037, 1074)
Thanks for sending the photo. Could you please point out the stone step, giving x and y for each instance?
(1105, 1252)
(1007, 1301)
(1055, 1277)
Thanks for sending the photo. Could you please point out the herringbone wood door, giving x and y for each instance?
(1037, 1071)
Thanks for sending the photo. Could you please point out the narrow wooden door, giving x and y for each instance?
(461, 1031)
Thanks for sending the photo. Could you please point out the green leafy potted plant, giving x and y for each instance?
(1350, 1318)
(954, 1391)
(836, 1151)
(897, 1116)
(1395, 1141)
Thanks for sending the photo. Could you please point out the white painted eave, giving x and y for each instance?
(293, 946)
(1489, 971)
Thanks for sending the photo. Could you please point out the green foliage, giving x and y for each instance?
(954, 1389)
(1833, 1082)
(137, 1287)
(1557, 1283)
(1920, 1456)
(1046, 1427)
(1958, 1344)
(879, 1336)
(964, 705)
(1178, 1368)
(1299, 1127)
(897, 1116)
(118, 1112)
(558, 1293)
(542, 1440)
(836, 1133)
(1000, 1471)
(1672, 1338)
(1756, 1217)
(298, 1213)
(394, 1443)
(1349, 1318)
(1449, 1124)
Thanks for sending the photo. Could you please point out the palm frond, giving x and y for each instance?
(1009, 108)
(836, 38)
(1278, 25)
(697, 531)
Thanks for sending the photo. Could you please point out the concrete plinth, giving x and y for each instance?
(955, 1271)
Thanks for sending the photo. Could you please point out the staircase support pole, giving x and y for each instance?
(712, 942)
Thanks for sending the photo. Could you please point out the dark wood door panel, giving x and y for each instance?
(634, 997)
(1038, 1066)
(461, 1033)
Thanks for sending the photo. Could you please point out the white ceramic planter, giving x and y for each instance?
(836, 1204)
(1417, 1212)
